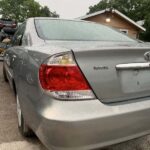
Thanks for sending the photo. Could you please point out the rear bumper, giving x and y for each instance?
(91, 124)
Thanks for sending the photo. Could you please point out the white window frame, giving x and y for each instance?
(125, 31)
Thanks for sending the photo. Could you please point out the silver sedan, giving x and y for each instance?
(78, 85)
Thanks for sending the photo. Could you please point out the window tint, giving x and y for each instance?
(17, 39)
(77, 30)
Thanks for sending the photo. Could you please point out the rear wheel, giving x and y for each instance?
(23, 127)
(4, 75)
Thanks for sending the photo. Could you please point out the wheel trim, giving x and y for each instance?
(19, 113)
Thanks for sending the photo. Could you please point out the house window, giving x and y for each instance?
(124, 31)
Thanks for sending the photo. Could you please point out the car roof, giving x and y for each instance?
(52, 18)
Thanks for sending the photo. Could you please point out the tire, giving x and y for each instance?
(4, 75)
(23, 127)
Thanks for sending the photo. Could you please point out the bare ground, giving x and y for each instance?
(10, 138)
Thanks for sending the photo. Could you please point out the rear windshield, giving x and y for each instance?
(77, 31)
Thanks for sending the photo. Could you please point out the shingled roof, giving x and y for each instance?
(116, 12)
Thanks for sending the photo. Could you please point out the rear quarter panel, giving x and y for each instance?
(25, 69)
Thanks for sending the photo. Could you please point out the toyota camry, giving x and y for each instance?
(78, 85)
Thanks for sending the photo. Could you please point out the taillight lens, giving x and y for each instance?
(14, 25)
(62, 78)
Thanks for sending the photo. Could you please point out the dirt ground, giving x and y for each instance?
(10, 138)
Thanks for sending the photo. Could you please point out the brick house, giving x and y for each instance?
(117, 20)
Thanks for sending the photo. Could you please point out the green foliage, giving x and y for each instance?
(45, 12)
(146, 35)
(100, 6)
(20, 10)
(134, 9)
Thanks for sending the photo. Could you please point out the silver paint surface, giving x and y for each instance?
(118, 114)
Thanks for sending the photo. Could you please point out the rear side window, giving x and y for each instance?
(77, 31)
(17, 39)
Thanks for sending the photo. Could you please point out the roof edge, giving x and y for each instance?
(114, 11)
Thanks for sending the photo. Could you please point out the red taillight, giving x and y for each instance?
(1, 24)
(62, 78)
(14, 25)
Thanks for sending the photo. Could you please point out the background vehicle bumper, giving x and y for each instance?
(91, 124)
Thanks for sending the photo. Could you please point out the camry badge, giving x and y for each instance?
(100, 68)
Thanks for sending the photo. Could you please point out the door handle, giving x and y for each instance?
(133, 66)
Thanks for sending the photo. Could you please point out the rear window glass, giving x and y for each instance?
(77, 31)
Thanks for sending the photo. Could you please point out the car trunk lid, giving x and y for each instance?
(115, 74)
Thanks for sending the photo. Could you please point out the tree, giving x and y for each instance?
(100, 6)
(45, 12)
(146, 35)
(20, 10)
(134, 9)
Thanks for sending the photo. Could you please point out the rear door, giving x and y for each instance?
(10, 56)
